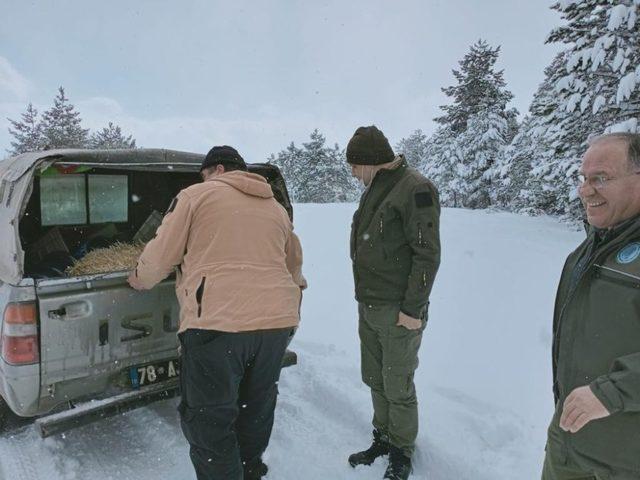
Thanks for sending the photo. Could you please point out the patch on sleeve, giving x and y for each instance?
(423, 199)
(172, 206)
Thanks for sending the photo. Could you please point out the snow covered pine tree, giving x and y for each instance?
(480, 126)
(27, 132)
(111, 138)
(316, 173)
(592, 87)
(62, 126)
(414, 148)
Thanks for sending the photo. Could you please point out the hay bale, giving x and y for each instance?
(116, 258)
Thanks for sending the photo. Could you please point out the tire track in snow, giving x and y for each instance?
(140, 445)
(24, 457)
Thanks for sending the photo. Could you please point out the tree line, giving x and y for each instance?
(61, 127)
(480, 155)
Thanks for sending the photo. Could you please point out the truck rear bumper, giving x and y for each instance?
(92, 411)
(99, 409)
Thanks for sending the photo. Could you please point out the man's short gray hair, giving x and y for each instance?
(631, 139)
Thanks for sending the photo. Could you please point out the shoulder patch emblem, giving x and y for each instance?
(423, 199)
(628, 253)
(172, 205)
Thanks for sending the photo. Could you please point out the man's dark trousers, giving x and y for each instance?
(229, 384)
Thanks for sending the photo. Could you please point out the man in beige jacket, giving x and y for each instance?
(239, 286)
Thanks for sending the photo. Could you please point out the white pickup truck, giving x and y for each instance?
(68, 341)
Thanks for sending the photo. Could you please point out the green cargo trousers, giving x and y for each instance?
(389, 358)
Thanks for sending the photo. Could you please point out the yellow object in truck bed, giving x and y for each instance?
(116, 258)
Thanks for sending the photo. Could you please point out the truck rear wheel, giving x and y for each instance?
(4, 415)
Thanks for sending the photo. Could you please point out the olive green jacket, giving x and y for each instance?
(597, 343)
(395, 240)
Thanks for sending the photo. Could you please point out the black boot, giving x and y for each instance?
(399, 465)
(379, 447)
(255, 469)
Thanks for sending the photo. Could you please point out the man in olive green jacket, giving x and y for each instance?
(595, 432)
(395, 249)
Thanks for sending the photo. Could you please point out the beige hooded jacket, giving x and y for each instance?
(239, 260)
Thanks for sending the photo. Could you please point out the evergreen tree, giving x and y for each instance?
(479, 88)
(513, 171)
(602, 71)
(327, 176)
(525, 171)
(27, 132)
(479, 146)
(414, 149)
(593, 86)
(317, 178)
(478, 126)
(111, 138)
(290, 163)
(62, 126)
(352, 189)
(557, 137)
(441, 154)
(513, 127)
(316, 173)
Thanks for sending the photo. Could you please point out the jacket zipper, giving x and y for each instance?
(356, 225)
(570, 296)
(598, 253)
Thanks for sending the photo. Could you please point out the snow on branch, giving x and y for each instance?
(627, 85)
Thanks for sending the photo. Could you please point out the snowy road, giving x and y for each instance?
(483, 383)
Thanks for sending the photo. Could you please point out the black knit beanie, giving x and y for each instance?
(223, 155)
(369, 146)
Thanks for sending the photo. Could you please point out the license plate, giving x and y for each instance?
(154, 373)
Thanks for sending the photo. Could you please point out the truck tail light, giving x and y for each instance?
(20, 334)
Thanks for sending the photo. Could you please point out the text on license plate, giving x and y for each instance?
(153, 373)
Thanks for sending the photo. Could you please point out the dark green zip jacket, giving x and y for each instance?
(597, 343)
(395, 240)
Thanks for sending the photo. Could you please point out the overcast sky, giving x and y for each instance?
(258, 74)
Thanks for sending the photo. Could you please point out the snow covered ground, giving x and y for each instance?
(484, 381)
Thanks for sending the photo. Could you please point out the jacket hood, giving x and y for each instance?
(248, 183)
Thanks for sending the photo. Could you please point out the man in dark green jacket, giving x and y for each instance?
(395, 249)
(595, 432)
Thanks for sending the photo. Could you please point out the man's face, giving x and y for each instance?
(619, 198)
(364, 173)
